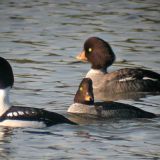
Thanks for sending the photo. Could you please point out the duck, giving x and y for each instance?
(84, 106)
(19, 116)
(125, 81)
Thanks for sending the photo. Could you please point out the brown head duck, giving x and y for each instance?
(85, 106)
(128, 80)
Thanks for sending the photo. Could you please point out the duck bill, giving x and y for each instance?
(88, 98)
(82, 56)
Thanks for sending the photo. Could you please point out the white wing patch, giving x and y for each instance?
(10, 114)
(131, 79)
(148, 78)
(20, 113)
(15, 114)
(26, 112)
(126, 79)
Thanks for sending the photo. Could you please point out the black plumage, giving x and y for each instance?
(84, 105)
(34, 114)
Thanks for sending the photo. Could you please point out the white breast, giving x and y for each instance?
(4, 100)
(80, 108)
(20, 123)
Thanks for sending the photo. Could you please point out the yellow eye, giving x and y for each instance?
(90, 49)
(81, 88)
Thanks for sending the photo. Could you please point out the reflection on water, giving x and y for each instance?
(5, 138)
(41, 39)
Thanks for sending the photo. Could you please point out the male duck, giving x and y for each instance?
(17, 116)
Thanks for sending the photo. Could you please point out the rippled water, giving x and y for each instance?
(41, 39)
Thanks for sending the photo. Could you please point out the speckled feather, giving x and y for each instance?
(119, 110)
(34, 114)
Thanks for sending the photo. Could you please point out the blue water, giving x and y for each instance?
(41, 40)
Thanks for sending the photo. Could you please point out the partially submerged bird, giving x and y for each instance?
(84, 105)
(128, 81)
(17, 116)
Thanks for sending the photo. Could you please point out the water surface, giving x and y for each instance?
(41, 39)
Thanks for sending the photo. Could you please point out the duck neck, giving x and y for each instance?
(96, 71)
(96, 75)
(4, 100)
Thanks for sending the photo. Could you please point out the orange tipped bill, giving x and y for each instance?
(82, 56)
(88, 98)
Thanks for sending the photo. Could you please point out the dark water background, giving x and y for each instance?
(41, 39)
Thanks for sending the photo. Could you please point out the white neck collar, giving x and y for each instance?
(4, 100)
(97, 71)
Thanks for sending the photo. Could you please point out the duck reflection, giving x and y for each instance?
(5, 138)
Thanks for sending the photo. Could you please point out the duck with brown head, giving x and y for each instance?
(84, 105)
(124, 81)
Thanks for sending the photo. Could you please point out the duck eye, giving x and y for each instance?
(89, 49)
(81, 89)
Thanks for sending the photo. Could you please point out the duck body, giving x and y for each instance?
(84, 105)
(109, 110)
(124, 80)
(17, 116)
(128, 80)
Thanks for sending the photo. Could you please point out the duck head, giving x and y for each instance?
(98, 52)
(6, 74)
(84, 94)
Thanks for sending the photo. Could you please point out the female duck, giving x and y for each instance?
(84, 105)
(17, 116)
(100, 54)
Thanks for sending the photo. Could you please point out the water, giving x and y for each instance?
(41, 39)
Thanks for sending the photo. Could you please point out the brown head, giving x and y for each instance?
(98, 52)
(84, 93)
